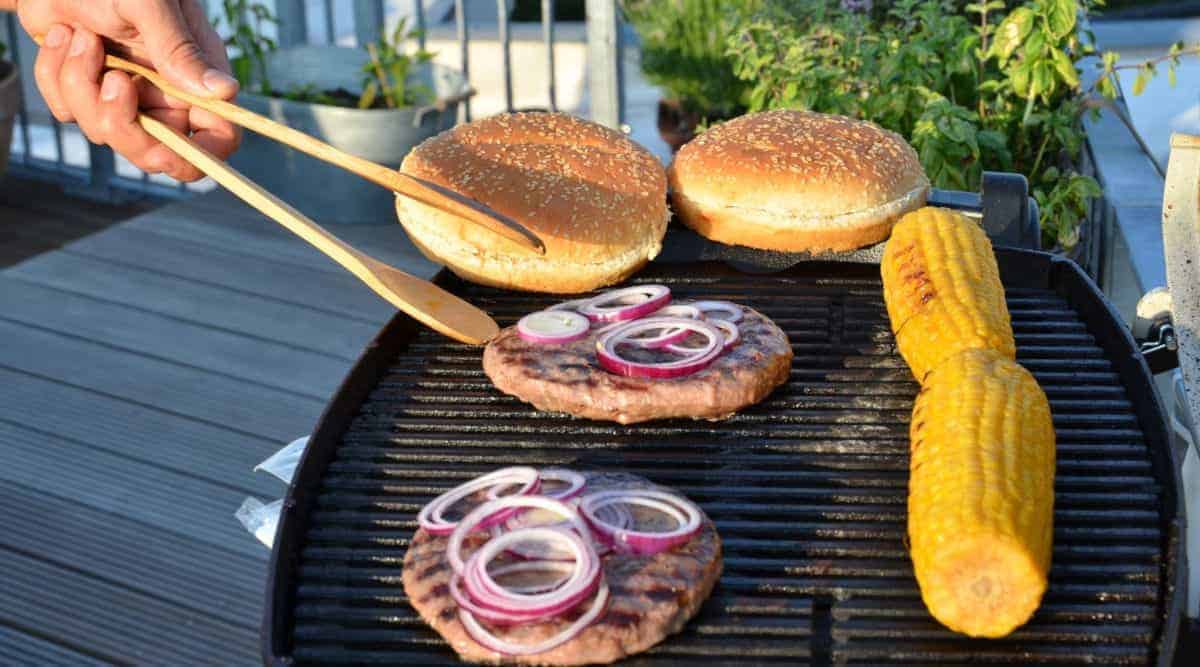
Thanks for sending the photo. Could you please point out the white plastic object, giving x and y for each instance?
(261, 520)
(282, 463)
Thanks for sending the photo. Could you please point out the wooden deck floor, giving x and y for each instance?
(144, 370)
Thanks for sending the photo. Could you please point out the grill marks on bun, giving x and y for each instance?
(596, 199)
(796, 181)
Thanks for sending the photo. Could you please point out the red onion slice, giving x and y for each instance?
(492, 508)
(694, 361)
(494, 643)
(720, 310)
(639, 542)
(728, 329)
(430, 517)
(615, 306)
(668, 336)
(553, 327)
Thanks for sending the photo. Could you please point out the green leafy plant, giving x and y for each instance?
(684, 51)
(386, 76)
(245, 20)
(972, 86)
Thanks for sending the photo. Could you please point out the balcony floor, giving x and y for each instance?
(144, 370)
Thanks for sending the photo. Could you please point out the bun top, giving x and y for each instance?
(824, 165)
(588, 191)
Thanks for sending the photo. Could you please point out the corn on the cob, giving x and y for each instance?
(981, 493)
(943, 290)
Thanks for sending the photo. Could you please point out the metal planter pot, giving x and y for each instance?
(10, 101)
(324, 192)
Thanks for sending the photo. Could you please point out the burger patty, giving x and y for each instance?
(568, 378)
(650, 597)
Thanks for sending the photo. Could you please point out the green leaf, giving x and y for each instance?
(1020, 76)
(1171, 76)
(1011, 33)
(1139, 84)
(1066, 69)
(1060, 17)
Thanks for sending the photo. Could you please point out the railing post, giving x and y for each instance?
(293, 22)
(368, 21)
(604, 62)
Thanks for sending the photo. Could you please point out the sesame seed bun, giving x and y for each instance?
(597, 200)
(796, 181)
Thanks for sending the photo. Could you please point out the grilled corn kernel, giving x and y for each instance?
(981, 493)
(942, 289)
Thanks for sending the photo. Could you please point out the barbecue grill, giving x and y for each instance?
(807, 489)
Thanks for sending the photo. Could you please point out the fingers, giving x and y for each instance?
(46, 69)
(175, 52)
(106, 109)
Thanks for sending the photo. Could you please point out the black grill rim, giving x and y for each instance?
(1020, 268)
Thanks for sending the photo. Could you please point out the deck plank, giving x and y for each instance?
(284, 367)
(138, 432)
(303, 327)
(189, 573)
(120, 625)
(18, 648)
(189, 391)
(335, 291)
(144, 370)
(169, 501)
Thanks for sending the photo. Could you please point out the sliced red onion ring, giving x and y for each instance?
(694, 361)
(494, 643)
(679, 310)
(553, 327)
(430, 517)
(720, 310)
(629, 303)
(626, 539)
(728, 329)
(474, 519)
(475, 589)
(665, 337)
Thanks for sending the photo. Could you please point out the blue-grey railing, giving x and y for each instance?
(46, 149)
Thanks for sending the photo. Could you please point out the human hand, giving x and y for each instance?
(173, 36)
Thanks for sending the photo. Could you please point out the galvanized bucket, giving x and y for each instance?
(324, 192)
(10, 101)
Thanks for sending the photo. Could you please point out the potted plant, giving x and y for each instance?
(971, 86)
(376, 103)
(684, 52)
(10, 98)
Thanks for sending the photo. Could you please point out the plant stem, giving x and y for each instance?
(1037, 161)
(385, 86)
(1194, 51)
(983, 49)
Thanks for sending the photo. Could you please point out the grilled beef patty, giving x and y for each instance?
(568, 378)
(651, 597)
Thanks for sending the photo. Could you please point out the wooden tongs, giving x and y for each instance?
(419, 298)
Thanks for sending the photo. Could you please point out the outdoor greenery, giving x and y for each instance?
(685, 52)
(972, 86)
(386, 77)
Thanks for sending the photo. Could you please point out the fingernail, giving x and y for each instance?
(218, 81)
(79, 44)
(110, 87)
(57, 36)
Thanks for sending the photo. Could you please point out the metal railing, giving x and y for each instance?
(45, 149)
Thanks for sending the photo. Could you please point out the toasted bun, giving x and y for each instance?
(795, 181)
(597, 200)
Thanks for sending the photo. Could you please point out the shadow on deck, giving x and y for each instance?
(145, 369)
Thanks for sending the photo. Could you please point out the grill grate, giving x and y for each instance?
(807, 489)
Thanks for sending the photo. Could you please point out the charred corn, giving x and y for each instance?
(942, 289)
(981, 493)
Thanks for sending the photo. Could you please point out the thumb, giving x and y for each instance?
(177, 55)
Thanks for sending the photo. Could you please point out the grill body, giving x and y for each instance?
(807, 489)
